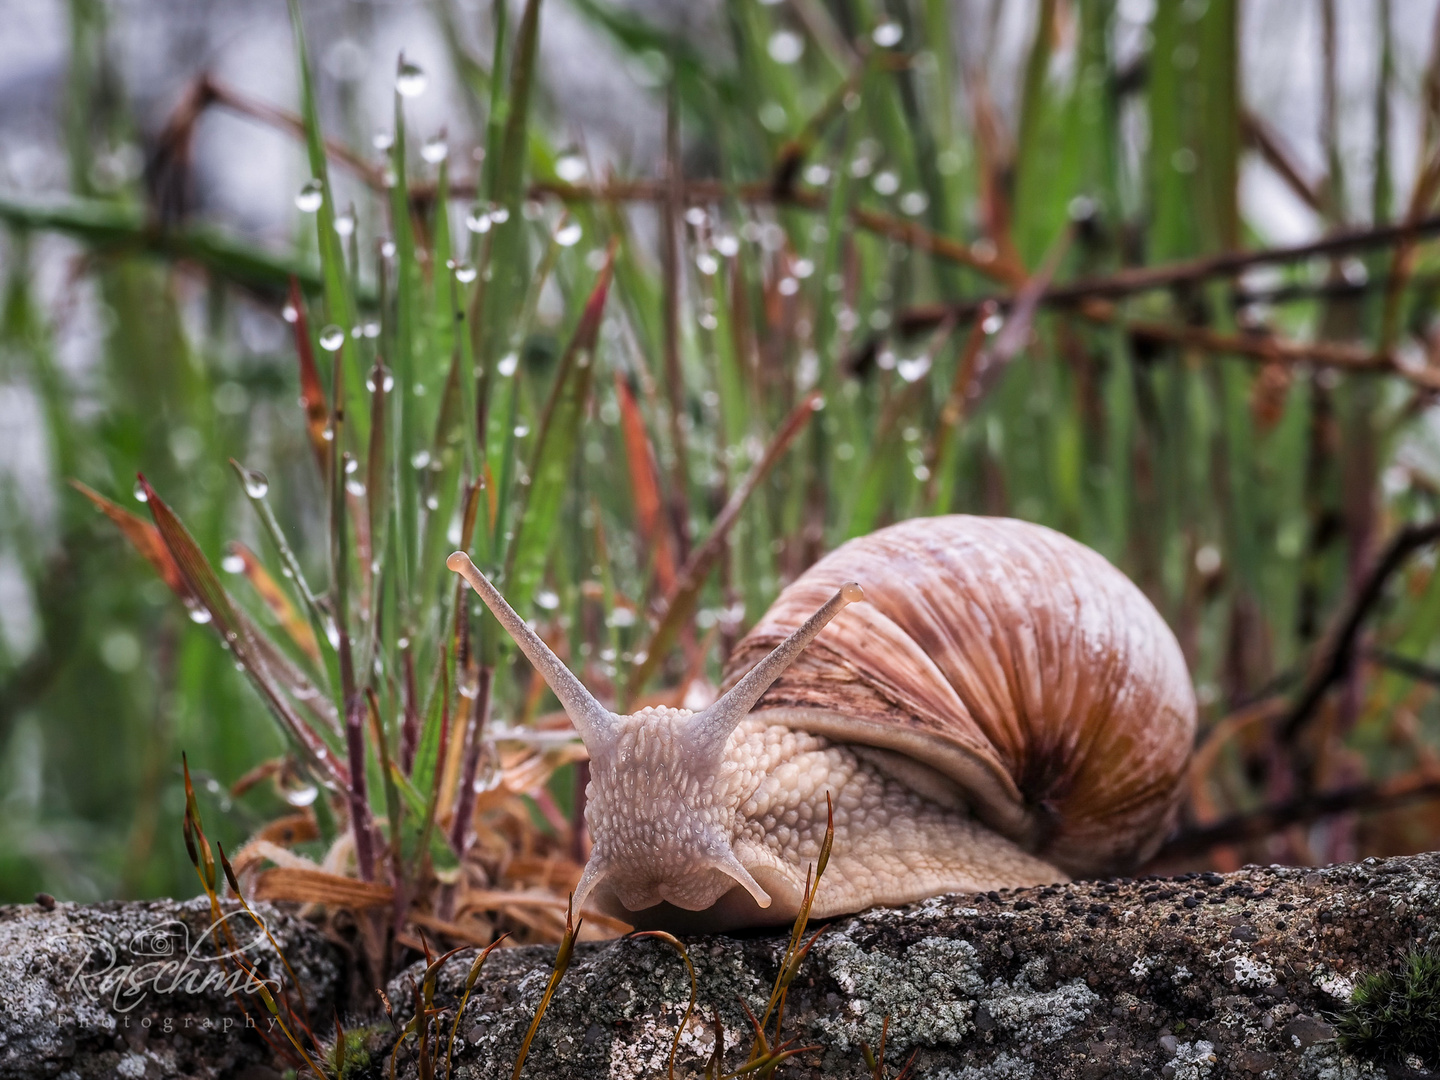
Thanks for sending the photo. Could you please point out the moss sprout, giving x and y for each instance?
(1394, 1015)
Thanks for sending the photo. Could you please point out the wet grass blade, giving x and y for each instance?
(556, 441)
(680, 606)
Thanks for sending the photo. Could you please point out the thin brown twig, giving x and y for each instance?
(1336, 655)
(1257, 824)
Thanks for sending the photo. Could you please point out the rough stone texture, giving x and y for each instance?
(106, 991)
(1195, 978)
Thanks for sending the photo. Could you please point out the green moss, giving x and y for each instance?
(1394, 1014)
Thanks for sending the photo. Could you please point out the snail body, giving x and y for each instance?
(1007, 709)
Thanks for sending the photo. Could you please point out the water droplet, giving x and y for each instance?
(696, 216)
(329, 433)
(311, 196)
(499, 214)
(508, 363)
(345, 224)
(727, 244)
(571, 168)
(355, 487)
(785, 46)
(911, 370)
(547, 599)
(886, 183)
(993, 323)
(289, 314)
(788, 286)
(351, 464)
(301, 796)
(477, 221)
(432, 502)
(389, 382)
(521, 430)
(256, 483)
(382, 140)
(331, 338)
(141, 495)
(465, 273)
(332, 634)
(402, 643)
(200, 615)
(371, 330)
(232, 564)
(410, 80)
(435, 150)
(569, 235)
(887, 35)
(420, 459)
(914, 203)
(817, 174)
(707, 263)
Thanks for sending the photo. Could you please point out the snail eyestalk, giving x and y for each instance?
(712, 726)
(594, 722)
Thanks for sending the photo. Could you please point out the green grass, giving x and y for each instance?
(515, 391)
(1393, 1015)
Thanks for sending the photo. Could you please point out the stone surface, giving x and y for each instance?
(133, 991)
(1196, 978)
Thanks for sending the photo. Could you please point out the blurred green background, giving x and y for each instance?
(804, 195)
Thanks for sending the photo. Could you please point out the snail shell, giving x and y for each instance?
(1016, 662)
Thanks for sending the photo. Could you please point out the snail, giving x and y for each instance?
(1007, 709)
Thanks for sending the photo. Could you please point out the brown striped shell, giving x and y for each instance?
(1016, 661)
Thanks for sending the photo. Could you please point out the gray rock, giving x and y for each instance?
(133, 990)
(1090, 980)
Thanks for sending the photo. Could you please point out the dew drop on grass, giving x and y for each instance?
(569, 235)
(200, 615)
(232, 564)
(521, 430)
(411, 80)
(301, 796)
(351, 464)
(887, 34)
(311, 196)
(435, 150)
(420, 459)
(387, 249)
(785, 47)
(727, 244)
(547, 599)
(331, 338)
(499, 214)
(911, 370)
(141, 495)
(707, 263)
(508, 363)
(788, 286)
(817, 174)
(477, 221)
(289, 313)
(345, 224)
(465, 273)
(382, 140)
(371, 330)
(571, 168)
(432, 502)
(256, 483)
